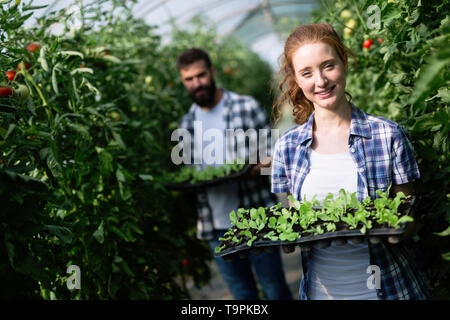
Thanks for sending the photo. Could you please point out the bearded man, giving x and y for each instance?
(219, 109)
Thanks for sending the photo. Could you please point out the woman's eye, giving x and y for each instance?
(329, 66)
(306, 74)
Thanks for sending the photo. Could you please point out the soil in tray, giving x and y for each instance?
(340, 226)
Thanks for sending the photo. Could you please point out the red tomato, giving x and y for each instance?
(380, 40)
(5, 91)
(10, 74)
(33, 47)
(367, 43)
(27, 66)
(185, 262)
(228, 70)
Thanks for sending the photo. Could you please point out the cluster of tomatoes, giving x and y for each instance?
(6, 91)
(369, 42)
(350, 25)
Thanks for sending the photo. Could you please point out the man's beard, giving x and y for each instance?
(206, 99)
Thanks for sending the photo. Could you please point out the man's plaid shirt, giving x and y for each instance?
(239, 112)
(383, 155)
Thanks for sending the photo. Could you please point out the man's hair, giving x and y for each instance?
(189, 56)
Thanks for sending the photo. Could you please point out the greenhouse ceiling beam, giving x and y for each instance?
(143, 5)
(215, 4)
(252, 10)
(49, 8)
(204, 7)
(162, 2)
(268, 14)
(251, 14)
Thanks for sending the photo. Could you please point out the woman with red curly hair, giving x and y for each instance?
(337, 146)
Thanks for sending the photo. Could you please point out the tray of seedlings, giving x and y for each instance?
(191, 177)
(304, 223)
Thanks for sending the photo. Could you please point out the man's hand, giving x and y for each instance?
(265, 163)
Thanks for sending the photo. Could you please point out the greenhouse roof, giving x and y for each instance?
(256, 22)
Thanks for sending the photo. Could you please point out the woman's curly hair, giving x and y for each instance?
(290, 91)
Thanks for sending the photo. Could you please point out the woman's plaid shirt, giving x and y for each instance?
(384, 156)
(239, 112)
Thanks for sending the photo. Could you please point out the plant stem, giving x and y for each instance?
(358, 12)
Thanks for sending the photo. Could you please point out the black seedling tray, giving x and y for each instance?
(324, 240)
(202, 184)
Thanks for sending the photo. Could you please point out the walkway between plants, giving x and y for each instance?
(217, 289)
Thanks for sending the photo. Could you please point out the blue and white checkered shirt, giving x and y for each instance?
(383, 155)
(239, 112)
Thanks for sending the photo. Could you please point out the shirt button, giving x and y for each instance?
(361, 169)
(352, 150)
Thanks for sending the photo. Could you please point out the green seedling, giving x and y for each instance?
(331, 227)
(236, 240)
(246, 233)
(219, 249)
(315, 230)
(284, 225)
(289, 236)
(274, 209)
(242, 224)
(350, 220)
(272, 222)
(387, 209)
(250, 242)
(271, 235)
(233, 218)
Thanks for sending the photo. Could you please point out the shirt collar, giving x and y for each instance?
(359, 126)
(305, 134)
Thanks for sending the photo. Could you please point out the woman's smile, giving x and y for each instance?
(324, 94)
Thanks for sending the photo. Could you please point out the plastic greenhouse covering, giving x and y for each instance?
(255, 22)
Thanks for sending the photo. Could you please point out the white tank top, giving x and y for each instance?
(337, 272)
